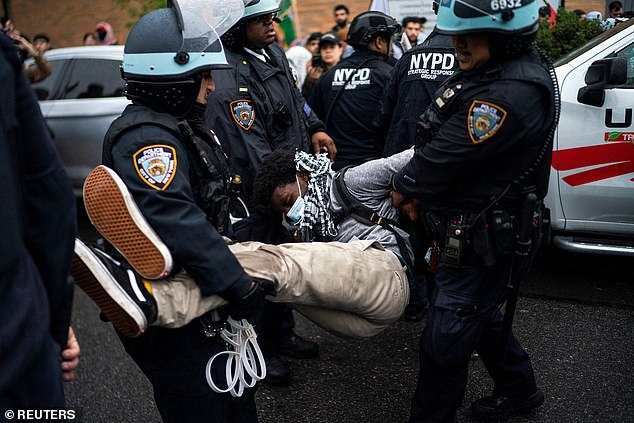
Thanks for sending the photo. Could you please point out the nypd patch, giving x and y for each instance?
(156, 165)
(243, 113)
(485, 119)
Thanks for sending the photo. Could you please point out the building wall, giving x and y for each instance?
(66, 21)
(318, 15)
(587, 5)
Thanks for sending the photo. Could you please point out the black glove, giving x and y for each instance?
(251, 303)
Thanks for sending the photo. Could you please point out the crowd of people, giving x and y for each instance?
(377, 157)
(616, 14)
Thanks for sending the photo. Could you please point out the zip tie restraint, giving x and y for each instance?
(245, 363)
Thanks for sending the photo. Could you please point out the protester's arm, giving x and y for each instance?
(372, 179)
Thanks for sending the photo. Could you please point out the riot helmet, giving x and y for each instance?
(236, 38)
(511, 25)
(168, 50)
(255, 8)
(367, 25)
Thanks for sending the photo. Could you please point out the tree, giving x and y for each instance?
(144, 6)
(569, 33)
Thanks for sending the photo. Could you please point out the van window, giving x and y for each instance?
(45, 89)
(628, 54)
(594, 42)
(94, 78)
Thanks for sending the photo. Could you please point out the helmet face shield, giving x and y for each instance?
(180, 41)
(461, 17)
(205, 21)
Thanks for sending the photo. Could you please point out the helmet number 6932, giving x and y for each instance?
(505, 4)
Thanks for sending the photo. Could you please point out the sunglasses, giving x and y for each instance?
(265, 19)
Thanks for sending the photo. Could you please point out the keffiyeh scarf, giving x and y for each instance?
(317, 217)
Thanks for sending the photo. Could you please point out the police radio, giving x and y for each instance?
(454, 241)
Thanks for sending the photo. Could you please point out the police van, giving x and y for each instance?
(591, 193)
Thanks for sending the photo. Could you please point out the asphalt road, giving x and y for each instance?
(575, 318)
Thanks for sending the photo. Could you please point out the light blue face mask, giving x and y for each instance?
(296, 213)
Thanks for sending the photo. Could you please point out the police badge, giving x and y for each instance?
(243, 113)
(156, 165)
(485, 119)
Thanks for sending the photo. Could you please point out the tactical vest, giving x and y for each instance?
(447, 98)
(209, 171)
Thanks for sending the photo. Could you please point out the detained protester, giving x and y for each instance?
(177, 174)
(362, 291)
(346, 96)
(480, 171)
(257, 108)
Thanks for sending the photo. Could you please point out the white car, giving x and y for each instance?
(591, 193)
(79, 101)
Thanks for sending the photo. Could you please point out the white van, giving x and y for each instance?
(591, 193)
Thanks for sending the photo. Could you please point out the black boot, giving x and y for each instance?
(298, 347)
(497, 407)
(278, 372)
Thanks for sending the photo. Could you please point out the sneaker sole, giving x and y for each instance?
(114, 213)
(95, 280)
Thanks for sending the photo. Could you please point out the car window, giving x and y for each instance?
(94, 78)
(45, 90)
(628, 54)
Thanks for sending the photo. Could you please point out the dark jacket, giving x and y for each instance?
(257, 108)
(492, 125)
(413, 81)
(172, 207)
(349, 120)
(38, 220)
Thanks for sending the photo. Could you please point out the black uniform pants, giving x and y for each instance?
(464, 317)
(174, 362)
(39, 387)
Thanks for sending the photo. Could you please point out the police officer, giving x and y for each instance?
(177, 174)
(409, 91)
(38, 348)
(484, 151)
(256, 109)
(345, 97)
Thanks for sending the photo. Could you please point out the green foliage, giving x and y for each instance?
(145, 6)
(569, 34)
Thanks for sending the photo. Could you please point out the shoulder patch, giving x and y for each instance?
(243, 113)
(484, 120)
(156, 165)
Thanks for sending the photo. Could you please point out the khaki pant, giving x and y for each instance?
(353, 289)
